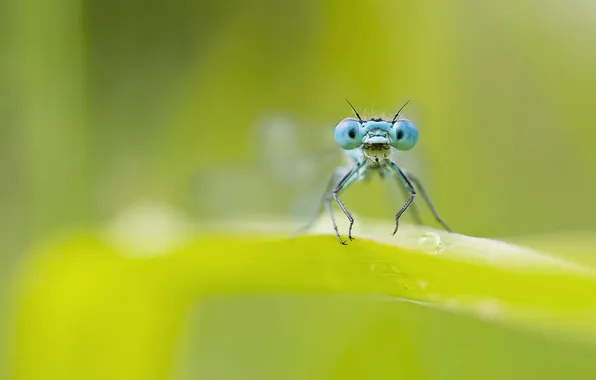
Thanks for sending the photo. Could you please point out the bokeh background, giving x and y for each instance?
(219, 109)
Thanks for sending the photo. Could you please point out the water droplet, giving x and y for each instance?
(431, 242)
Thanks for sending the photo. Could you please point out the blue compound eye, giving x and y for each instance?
(348, 134)
(404, 134)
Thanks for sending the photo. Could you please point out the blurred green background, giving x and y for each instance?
(104, 104)
(107, 103)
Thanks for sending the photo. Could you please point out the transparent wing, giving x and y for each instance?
(286, 179)
(408, 160)
(301, 163)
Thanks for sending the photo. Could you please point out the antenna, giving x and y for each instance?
(397, 114)
(354, 109)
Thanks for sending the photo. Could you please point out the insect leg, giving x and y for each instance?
(338, 172)
(342, 185)
(411, 190)
(416, 181)
(413, 207)
(330, 211)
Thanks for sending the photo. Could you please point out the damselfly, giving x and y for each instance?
(369, 145)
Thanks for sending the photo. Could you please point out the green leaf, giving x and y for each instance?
(257, 304)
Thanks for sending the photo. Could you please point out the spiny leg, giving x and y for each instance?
(347, 213)
(330, 211)
(413, 207)
(404, 190)
(337, 174)
(428, 201)
(341, 185)
(410, 187)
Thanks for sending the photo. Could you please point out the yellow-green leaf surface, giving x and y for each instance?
(258, 304)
